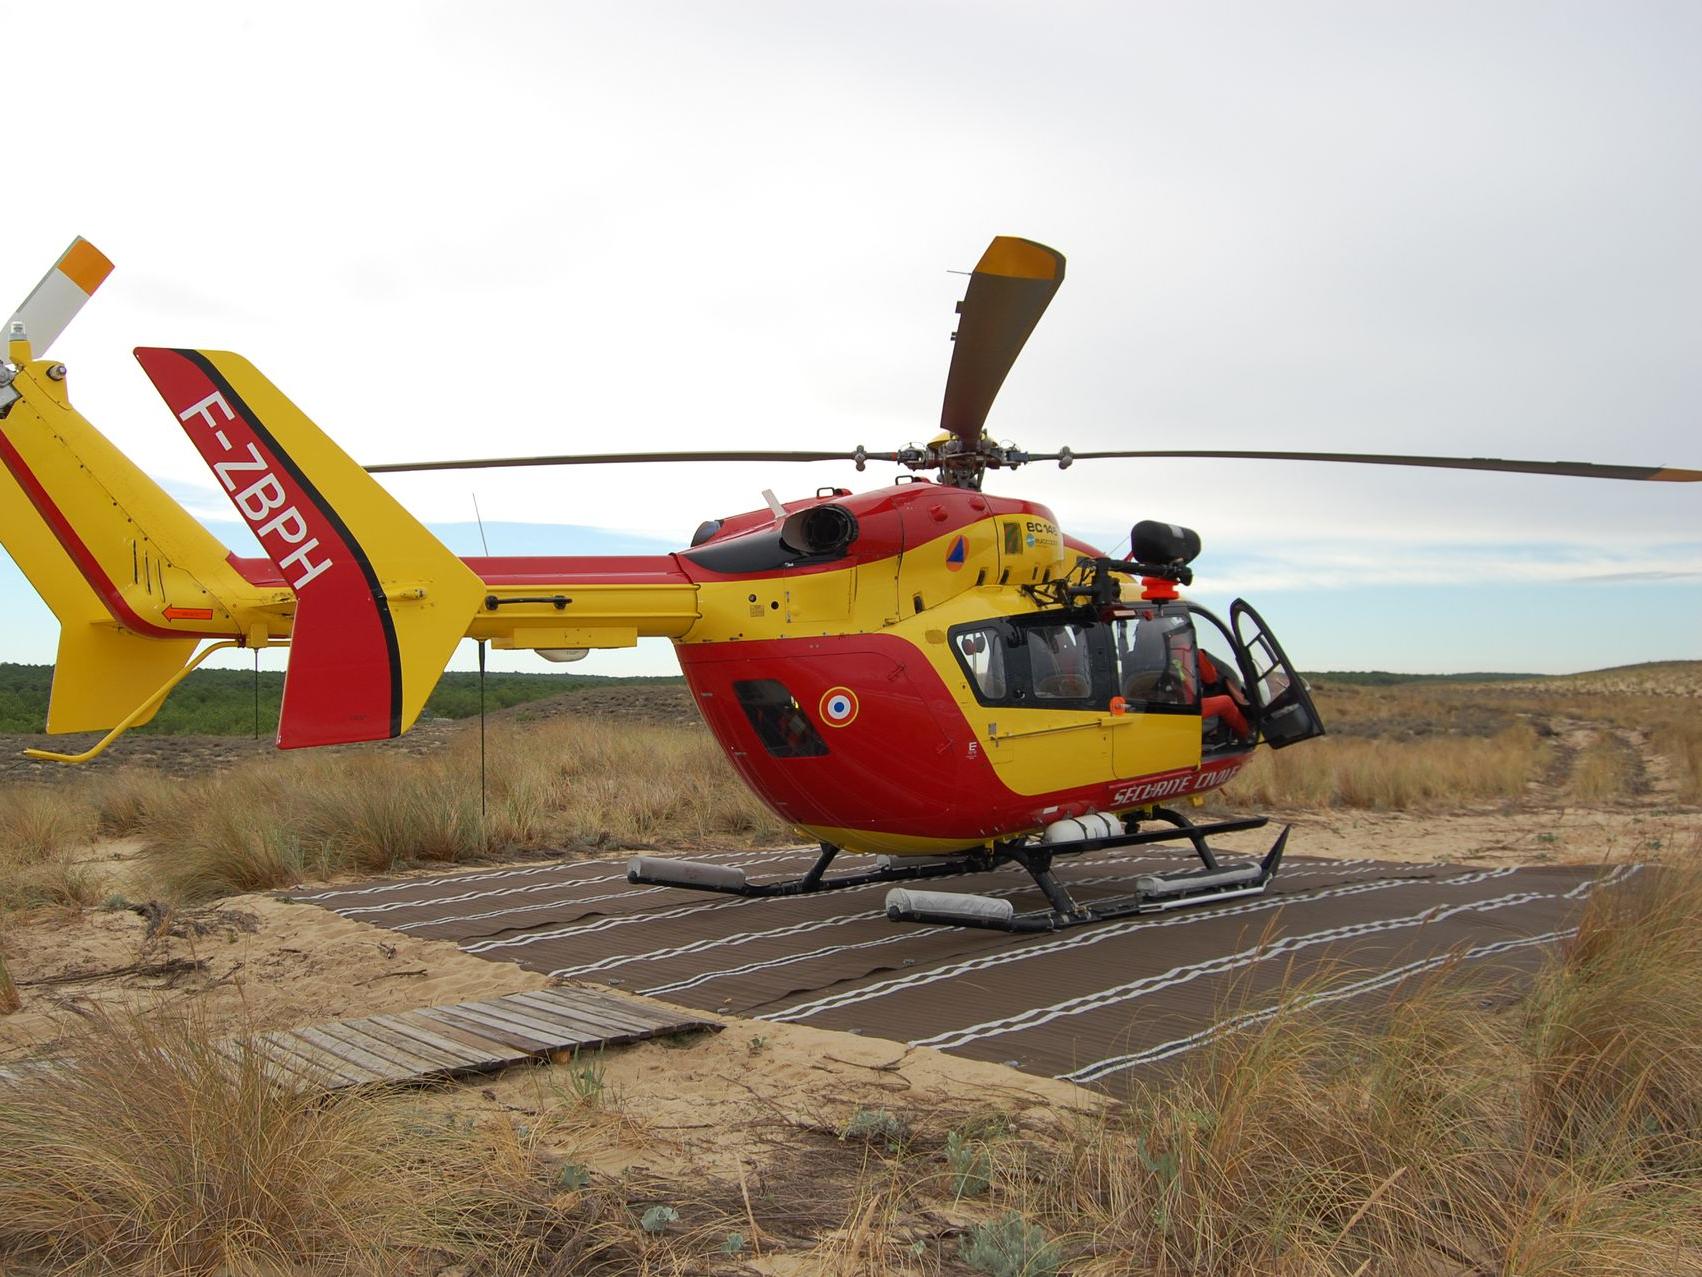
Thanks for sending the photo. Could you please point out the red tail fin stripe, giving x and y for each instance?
(345, 675)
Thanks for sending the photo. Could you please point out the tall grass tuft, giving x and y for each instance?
(1615, 1031)
(162, 1152)
(1602, 770)
(43, 830)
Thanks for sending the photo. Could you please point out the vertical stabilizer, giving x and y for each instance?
(380, 602)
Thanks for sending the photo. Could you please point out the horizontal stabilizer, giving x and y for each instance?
(102, 673)
(380, 602)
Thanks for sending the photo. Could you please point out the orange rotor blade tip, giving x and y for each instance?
(85, 265)
(1020, 259)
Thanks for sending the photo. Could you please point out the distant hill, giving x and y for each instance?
(1383, 678)
(1618, 677)
(221, 702)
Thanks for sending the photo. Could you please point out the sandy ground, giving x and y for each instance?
(261, 963)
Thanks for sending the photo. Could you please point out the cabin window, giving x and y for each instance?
(1060, 663)
(1038, 662)
(778, 720)
(981, 651)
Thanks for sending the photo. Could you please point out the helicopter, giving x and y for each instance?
(925, 672)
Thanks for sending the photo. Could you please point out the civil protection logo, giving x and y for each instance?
(957, 554)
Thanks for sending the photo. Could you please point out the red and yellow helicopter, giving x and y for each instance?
(926, 671)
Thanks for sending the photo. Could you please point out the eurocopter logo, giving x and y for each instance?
(957, 554)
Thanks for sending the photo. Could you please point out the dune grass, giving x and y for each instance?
(1389, 775)
(568, 782)
(161, 1152)
(43, 831)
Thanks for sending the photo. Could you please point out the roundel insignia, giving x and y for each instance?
(838, 707)
(957, 554)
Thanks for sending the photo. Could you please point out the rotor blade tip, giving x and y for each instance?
(85, 265)
(1020, 259)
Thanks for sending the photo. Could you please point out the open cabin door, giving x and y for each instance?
(1286, 712)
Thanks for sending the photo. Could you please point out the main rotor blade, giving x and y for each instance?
(1009, 291)
(1575, 469)
(624, 458)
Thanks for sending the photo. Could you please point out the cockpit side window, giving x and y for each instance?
(1157, 668)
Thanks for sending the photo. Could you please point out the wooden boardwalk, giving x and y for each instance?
(447, 1041)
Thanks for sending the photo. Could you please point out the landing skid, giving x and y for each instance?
(698, 875)
(1176, 889)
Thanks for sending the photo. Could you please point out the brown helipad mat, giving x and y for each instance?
(466, 1037)
(1089, 1003)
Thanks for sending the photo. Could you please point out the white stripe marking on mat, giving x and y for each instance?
(1177, 1046)
(792, 929)
(1095, 935)
(1034, 1017)
(1337, 993)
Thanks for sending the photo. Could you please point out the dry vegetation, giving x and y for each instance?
(269, 823)
(1419, 745)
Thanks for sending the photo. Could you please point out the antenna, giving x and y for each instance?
(481, 519)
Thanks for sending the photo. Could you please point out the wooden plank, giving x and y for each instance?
(585, 998)
(474, 1035)
(637, 1014)
(595, 1010)
(32, 1071)
(582, 1025)
(351, 1032)
(528, 1021)
(238, 1055)
(472, 1021)
(411, 1027)
(639, 1008)
(326, 1068)
(323, 1070)
(503, 1029)
(618, 1018)
(441, 1057)
(379, 1067)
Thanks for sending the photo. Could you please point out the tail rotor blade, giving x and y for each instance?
(1008, 293)
(54, 303)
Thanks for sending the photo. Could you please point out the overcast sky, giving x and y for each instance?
(451, 230)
